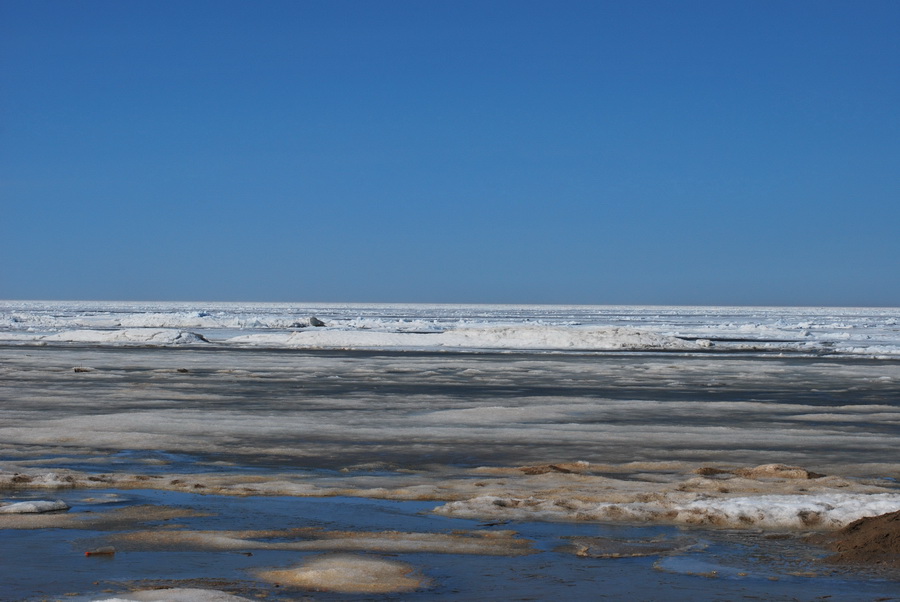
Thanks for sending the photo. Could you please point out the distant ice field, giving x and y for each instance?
(869, 332)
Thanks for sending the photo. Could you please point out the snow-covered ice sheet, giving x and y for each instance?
(872, 332)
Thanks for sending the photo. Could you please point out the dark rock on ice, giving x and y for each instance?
(311, 321)
(187, 338)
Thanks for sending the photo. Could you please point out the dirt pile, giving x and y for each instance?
(871, 540)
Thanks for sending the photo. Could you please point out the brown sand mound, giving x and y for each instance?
(349, 574)
(777, 471)
(563, 467)
(870, 540)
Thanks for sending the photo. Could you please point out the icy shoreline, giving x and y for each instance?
(769, 497)
(146, 544)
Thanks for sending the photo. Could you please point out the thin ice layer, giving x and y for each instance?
(333, 410)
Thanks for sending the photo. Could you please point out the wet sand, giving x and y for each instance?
(491, 476)
(873, 540)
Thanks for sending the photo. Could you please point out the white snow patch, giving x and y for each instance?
(34, 507)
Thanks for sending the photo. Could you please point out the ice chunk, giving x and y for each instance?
(34, 507)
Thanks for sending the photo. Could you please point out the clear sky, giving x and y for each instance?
(451, 151)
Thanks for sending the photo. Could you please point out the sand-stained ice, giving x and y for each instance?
(352, 574)
(486, 543)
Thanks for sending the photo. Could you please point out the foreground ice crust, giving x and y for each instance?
(776, 512)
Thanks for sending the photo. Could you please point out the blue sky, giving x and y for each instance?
(534, 152)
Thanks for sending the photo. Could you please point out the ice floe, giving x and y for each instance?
(34, 507)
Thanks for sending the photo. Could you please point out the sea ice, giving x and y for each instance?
(871, 332)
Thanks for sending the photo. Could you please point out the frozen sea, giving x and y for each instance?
(497, 452)
(869, 332)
